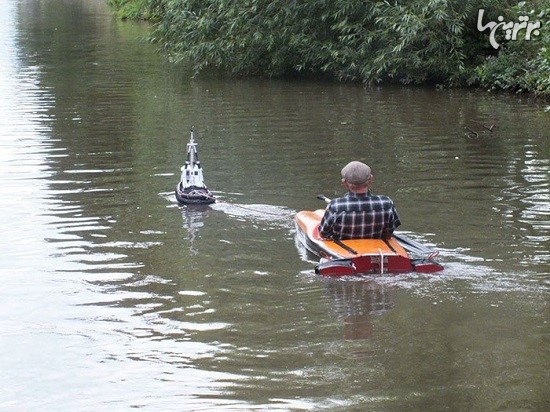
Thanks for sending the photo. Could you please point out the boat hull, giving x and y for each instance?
(356, 256)
(194, 195)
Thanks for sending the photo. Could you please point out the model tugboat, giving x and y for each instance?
(191, 189)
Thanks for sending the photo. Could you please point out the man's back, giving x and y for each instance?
(359, 216)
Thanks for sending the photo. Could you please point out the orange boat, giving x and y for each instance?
(362, 256)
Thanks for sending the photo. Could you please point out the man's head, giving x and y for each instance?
(357, 176)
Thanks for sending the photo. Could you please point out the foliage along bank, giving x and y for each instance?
(434, 42)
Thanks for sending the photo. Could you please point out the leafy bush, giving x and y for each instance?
(138, 9)
(522, 65)
(407, 41)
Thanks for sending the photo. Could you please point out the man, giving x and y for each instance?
(359, 214)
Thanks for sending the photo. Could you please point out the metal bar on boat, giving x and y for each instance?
(412, 245)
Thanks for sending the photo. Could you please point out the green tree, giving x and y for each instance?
(406, 41)
(523, 65)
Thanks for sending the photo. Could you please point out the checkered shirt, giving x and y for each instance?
(359, 216)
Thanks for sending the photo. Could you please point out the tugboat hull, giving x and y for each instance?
(194, 195)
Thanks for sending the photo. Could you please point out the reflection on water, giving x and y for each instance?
(105, 279)
(193, 216)
(355, 302)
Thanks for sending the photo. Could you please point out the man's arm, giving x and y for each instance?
(394, 222)
(325, 227)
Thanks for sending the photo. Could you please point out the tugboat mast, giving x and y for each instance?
(191, 175)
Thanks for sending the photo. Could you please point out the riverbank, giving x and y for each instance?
(505, 46)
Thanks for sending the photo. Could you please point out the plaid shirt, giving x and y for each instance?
(359, 216)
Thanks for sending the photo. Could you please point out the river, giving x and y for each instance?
(114, 297)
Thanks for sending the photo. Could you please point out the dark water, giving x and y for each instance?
(114, 297)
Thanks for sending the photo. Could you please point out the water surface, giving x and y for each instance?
(115, 297)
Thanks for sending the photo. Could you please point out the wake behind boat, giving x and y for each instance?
(362, 256)
(191, 188)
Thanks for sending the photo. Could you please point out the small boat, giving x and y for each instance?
(191, 188)
(361, 256)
